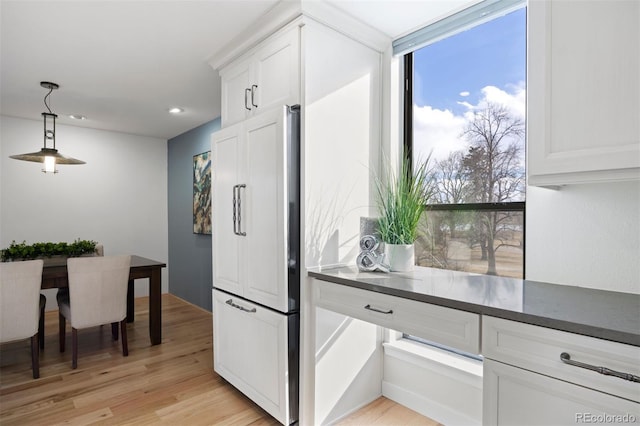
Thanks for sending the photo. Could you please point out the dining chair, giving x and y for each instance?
(97, 296)
(21, 305)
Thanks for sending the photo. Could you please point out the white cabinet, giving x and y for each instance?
(583, 91)
(520, 397)
(267, 76)
(250, 352)
(526, 382)
(450, 327)
(250, 209)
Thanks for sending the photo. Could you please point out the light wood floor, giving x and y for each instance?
(172, 383)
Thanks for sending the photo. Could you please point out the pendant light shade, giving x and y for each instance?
(49, 156)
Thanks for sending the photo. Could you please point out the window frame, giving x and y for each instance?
(407, 145)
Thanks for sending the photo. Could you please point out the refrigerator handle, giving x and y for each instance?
(240, 232)
(246, 97)
(242, 308)
(253, 94)
(235, 221)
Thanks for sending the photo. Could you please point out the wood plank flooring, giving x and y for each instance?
(172, 383)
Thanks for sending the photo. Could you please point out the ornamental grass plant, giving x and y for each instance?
(402, 197)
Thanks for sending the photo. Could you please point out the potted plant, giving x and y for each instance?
(401, 200)
(45, 250)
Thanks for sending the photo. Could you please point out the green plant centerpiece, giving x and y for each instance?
(24, 251)
(402, 197)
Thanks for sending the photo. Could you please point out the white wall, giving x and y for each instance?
(585, 235)
(341, 142)
(119, 198)
(341, 151)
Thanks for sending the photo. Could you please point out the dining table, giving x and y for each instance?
(55, 275)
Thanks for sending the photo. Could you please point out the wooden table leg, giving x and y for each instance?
(155, 306)
(130, 302)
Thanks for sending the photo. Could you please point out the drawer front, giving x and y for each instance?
(450, 327)
(250, 351)
(538, 349)
(513, 396)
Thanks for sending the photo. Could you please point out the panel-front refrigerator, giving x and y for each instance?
(256, 270)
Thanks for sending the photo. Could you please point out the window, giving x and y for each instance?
(465, 113)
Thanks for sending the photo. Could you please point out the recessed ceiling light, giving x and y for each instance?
(77, 117)
(176, 110)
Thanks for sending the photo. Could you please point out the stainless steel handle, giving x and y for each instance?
(240, 231)
(246, 92)
(369, 307)
(235, 201)
(566, 358)
(242, 308)
(253, 88)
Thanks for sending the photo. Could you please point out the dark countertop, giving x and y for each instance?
(597, 313)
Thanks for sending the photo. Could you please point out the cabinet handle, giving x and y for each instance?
(566, 358)
(240, 232)
(253, 88)
(242, 308)
(246, 92)
(235, 220)
(369, 307)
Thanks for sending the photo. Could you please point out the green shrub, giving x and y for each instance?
(24, 251)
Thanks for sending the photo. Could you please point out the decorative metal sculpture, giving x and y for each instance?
(369, 258)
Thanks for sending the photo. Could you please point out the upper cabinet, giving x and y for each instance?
(266, 76)
(583, 91)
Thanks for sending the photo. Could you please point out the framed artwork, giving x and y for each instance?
(202, 193)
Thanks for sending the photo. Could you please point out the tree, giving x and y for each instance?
(492, 170)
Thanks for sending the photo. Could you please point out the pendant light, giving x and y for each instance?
(48, 155)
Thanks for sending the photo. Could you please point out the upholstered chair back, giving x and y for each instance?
(97, 290)
(19, 299)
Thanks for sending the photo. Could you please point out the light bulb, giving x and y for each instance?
(49, 164)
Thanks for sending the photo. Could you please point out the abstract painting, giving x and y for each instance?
(202, 193)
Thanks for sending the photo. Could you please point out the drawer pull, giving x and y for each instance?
(390, 311)
(242, 308)
(566, 358)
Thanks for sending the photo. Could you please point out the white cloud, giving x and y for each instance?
(438, 131)
(464, 94)
(515, 102)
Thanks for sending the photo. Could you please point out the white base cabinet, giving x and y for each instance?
(527, 383)
(514, 396)
(250, 352)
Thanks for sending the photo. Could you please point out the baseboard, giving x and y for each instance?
(418, 403)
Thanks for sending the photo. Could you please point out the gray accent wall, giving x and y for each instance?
(190, 273)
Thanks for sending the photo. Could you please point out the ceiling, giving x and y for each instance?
(122, 64)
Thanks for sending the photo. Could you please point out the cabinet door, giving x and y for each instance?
(264, 212)
(250, 351)
(277, 71)
(236, 100)
(226, 151)
(583, 91)
(514, 396)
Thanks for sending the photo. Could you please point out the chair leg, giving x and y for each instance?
(62, 324)
(35, 355)
(41, 328)
(125, 344)
(74, 350)
(114, 331)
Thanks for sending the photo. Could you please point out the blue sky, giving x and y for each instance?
(492, 54)
(461, 73)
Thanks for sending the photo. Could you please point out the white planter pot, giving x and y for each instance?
(401, 257)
